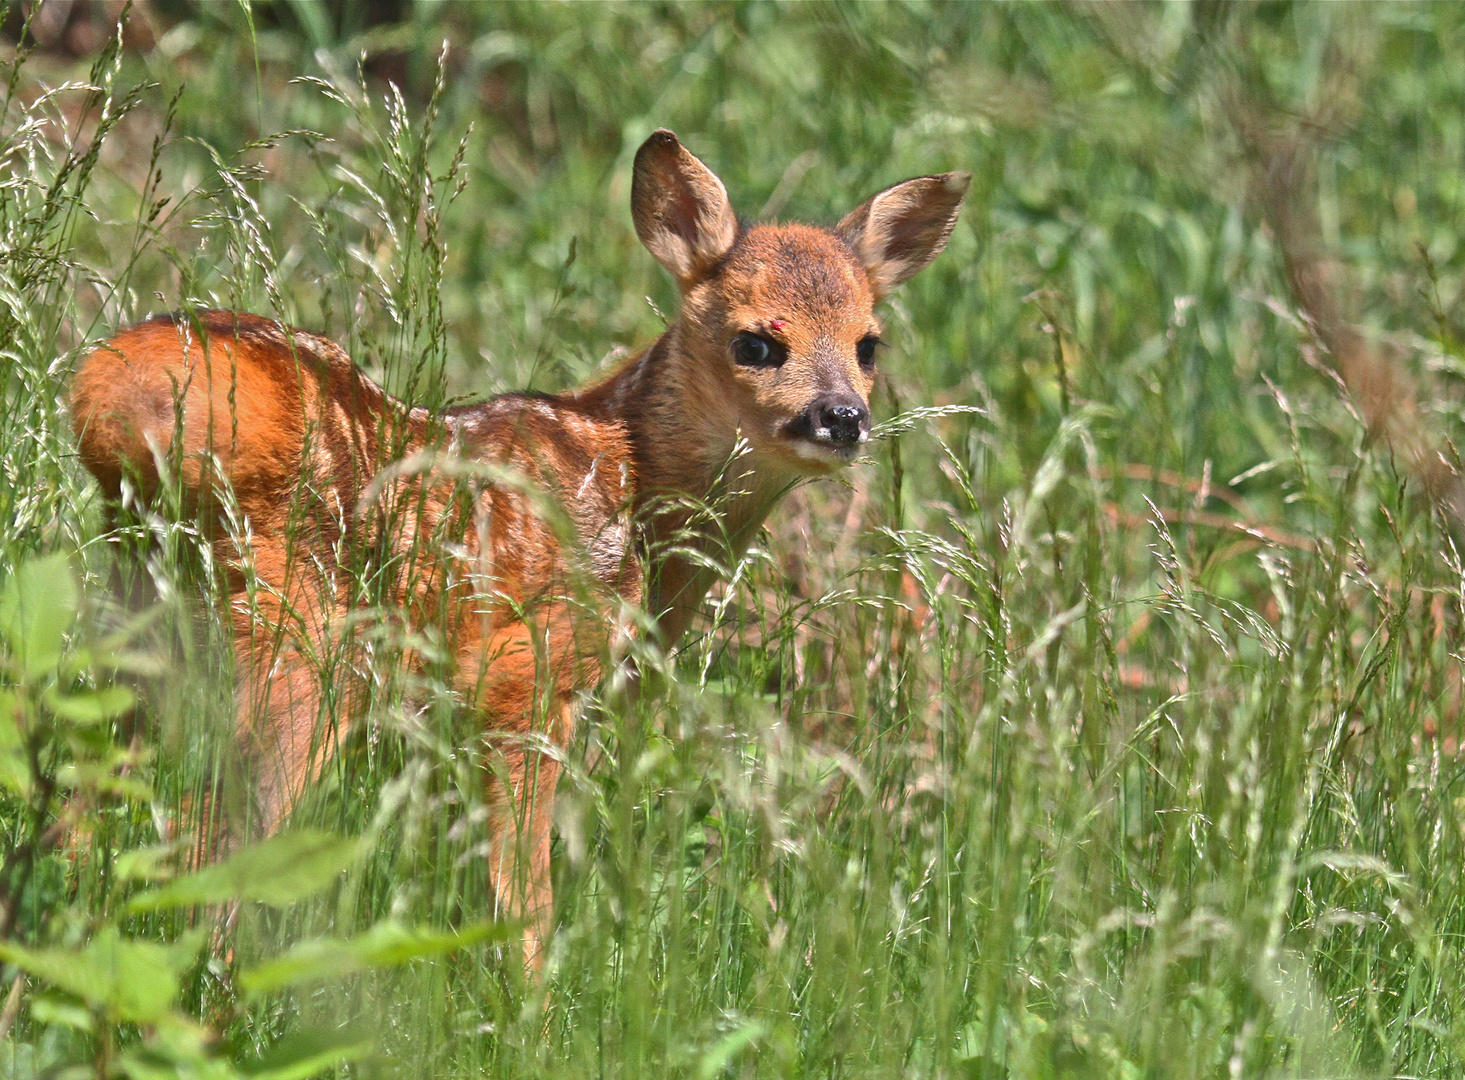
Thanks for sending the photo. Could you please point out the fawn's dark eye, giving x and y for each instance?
(750, 350)
(865, 351)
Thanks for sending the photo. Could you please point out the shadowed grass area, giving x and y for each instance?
(1105, 726)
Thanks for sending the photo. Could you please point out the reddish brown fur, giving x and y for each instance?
(507, 524)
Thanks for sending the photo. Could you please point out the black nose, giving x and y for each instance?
(843, 418)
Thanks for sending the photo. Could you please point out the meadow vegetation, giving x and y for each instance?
(1104, 722)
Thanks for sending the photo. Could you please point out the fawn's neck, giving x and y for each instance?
(700, 489)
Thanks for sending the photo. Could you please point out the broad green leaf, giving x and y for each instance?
(720, 1054)
(15, 767)
(22, 1060)
(128, 980)
(131, 662)
(90, 706)
(385, 945)
(52, 1007)
(175, 1049)
(277, 871)
(300, 1056)
(37, 607)
(148, 864)
(101, 777)
(80, 661)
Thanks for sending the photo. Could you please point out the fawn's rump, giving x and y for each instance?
(216, 395)
(281, 424)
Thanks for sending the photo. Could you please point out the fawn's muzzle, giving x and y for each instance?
(838, 421)
(846, 424)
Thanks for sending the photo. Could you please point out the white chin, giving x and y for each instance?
(823, 455)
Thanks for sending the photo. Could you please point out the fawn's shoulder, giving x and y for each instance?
(583, 452)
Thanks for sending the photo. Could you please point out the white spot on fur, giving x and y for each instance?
(589, 477)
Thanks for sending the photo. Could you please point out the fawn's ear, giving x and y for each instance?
(900, 230)
(680, 208)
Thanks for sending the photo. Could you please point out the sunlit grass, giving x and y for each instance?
(1109, 730)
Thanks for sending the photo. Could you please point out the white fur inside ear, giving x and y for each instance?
(681, 209)
(899, 231)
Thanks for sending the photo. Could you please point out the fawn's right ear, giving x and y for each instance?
(680, 208)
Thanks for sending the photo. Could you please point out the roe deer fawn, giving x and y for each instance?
(764, 378)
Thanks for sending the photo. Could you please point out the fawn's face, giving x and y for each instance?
(778, 329)
(785, 331)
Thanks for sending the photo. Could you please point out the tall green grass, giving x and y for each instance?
(1109, 731)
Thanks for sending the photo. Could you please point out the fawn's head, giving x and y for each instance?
(777, 337)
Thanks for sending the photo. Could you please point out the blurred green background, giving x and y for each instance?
(1112, 732)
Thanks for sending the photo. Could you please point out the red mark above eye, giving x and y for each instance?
(777, 326)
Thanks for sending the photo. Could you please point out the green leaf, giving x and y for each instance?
(90, 706)
(175, 1049)
(720, 1054)
(277, 871)
(57, 1008)
(299, 1056)
(981, 1067)
(148, 864)
(128, 980)
(131, 662)
(103, 778)
(15, 767)
(387, 944)
(37, 607)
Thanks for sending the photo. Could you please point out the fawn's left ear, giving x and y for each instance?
(900, 230)
(681, 209)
